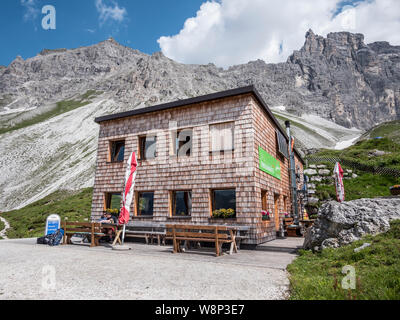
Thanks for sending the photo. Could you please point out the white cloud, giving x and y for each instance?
(236, 31)
(110, 12)
(31, 11)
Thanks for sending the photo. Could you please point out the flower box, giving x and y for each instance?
(265, 215)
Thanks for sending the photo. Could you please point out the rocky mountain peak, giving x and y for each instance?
(335, 79)
(313, 43)
(45, 52)
(384, 47)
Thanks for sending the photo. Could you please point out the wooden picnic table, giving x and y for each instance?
(142, 229)
(151, 229)
(219, 234)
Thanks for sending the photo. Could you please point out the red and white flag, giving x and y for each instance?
(130, 176)
(338, 172)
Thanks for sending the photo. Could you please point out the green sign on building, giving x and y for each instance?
(269, 164)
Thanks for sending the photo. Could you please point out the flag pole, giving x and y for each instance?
(123, 234)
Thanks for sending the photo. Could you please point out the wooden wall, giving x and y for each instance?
(200, 172)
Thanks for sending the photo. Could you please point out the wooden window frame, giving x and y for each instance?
(110, 150)
(107, 198)
(211, 199)
(174, 136)
(172, 202)
(222, 151)
(136, 213)
(264, 200)
(141, 152)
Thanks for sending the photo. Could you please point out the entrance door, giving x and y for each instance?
(276, 211)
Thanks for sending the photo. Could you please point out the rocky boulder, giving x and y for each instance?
(339, 224)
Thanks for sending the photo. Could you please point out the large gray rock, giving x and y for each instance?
(324, 172)
(310, 172)
(339, 224)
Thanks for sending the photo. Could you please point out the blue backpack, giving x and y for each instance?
(55, 238)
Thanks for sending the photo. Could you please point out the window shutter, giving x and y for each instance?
(282, 144)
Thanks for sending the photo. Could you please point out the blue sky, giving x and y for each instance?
(224, 32)
(78, 24)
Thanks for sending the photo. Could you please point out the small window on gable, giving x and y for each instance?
(117, 151)
(222, 137)
(147, 147)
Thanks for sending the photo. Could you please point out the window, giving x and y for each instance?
(145, 203)
(147, 147)
(113, 201)
(282, 144)
(221, 137)
(117, 150)
(285, 204)
(183, 143)
(181, 203)
(223, 203)
(264, 200)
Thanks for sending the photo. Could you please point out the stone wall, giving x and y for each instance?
(321, 174)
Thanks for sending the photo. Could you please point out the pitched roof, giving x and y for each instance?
(191, 101)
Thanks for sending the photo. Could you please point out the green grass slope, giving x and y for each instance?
(319, 275)
(366, 185)
(61, 107)
(389, 130)
(30, 221)
(362, 152)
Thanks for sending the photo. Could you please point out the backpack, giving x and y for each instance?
(43, 240)
(56, 237)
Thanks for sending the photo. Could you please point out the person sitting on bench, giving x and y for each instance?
(108, 218)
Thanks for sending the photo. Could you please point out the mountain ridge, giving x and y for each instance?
(328, 88)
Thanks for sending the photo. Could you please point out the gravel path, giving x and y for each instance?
(30, 271)
(6, 227)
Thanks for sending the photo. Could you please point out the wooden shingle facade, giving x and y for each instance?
(205, 171)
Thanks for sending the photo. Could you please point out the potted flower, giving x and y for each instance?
(223, 214)
(114, 212)
(265, 215)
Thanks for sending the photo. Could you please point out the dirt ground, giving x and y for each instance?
(31, 271)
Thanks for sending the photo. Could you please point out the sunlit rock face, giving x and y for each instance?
(339, 224)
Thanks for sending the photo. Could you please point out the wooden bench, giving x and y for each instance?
(93, 230)
(202, 233)
(148, 231)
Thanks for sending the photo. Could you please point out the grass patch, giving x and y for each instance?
(61, 107)
(318, 276)
(366, 185)
(30, 221)
(389, 130)
(2, 225)
(360, 152)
